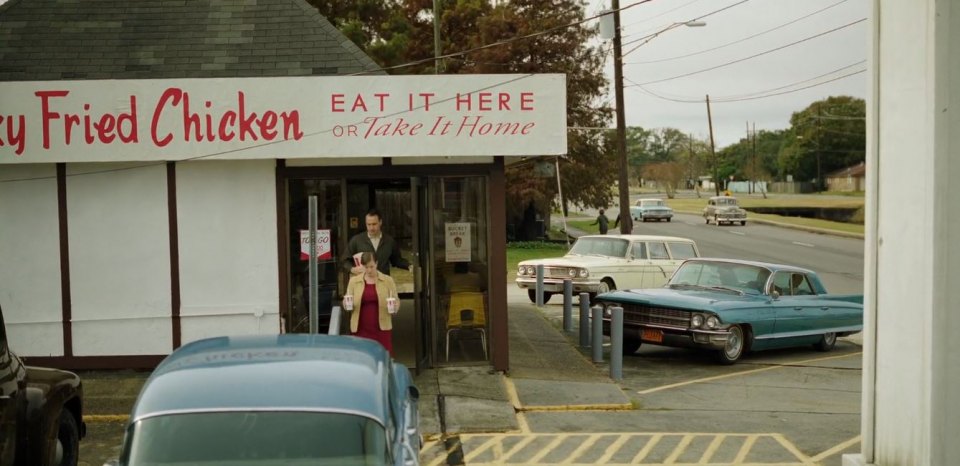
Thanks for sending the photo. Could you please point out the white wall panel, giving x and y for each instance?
(30, 260)
(119, 259)
(228, 247)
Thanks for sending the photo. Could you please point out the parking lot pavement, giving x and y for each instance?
(555, 406)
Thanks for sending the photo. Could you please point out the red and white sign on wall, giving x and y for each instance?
(324, 250)
(296, 117)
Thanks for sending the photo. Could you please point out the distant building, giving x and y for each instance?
(848, 179)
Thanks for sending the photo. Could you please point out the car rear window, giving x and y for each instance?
(658, 250)
(256, 438)
(682, 251)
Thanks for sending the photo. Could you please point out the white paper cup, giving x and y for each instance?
(393, 305)
(348, 302)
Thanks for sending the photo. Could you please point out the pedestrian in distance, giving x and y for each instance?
(603, 222)
(375, 293)
(383, 246)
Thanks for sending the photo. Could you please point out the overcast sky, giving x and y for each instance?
(778, 71)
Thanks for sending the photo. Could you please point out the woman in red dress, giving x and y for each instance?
(370, 292)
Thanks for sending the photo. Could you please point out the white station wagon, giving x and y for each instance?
(601, 263)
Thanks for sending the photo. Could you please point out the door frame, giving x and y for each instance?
(496, 198)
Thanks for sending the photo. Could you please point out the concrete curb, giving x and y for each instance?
(825, 231)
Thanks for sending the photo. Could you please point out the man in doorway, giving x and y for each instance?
(374, 240)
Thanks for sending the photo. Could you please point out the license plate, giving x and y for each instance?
(653, 335)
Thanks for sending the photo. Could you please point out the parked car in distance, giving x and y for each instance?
(601, 263)
(41, 412)
(293, 399)
(731, 307)
(651, 209)
(724, 209)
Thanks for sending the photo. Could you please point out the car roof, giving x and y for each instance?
(642, 237)
(713, 198)
(285, 372)
(772, 267)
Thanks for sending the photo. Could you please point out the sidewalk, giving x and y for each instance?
(546, 373)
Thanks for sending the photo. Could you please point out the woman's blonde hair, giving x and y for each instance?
(367, 258)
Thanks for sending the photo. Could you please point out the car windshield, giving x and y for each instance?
(742, 278)
(726, 201)
(652, 203)
(256, 438)
(613, 247)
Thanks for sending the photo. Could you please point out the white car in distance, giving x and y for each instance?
(600, 263)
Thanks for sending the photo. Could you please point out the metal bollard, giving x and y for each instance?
(334, 321)
(584, 320)
(616, 343)
(539, 290)
(567, 305)
(597, 343)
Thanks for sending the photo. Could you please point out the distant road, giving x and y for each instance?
(838, 260)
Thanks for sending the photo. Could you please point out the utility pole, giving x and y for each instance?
(624, 188)
(713, 151)
(436, 36)
(819, 119)
(755, 174)
(749, 167)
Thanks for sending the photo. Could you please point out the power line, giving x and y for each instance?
(753, 96)
(499, 43)
(660, 60)
(661, 14)
(755, 55)
(674, 25)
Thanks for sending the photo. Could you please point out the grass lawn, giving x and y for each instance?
(517, 252)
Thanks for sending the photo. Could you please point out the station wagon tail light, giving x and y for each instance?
(713, 322)
(584, 273)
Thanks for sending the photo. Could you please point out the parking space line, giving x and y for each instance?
(519, 446)
(546, 450)
(738, 233)
(754, 450)
(475, 453)
(803, 244)
(741, 373)
(836, 449)
(745, 449)
(612, 449)
(680, 448)
(514, 398)
(646, 449)
(586, 445)
(791, 448)
(712, 449)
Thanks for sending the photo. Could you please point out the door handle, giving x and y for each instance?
(824, 308)
(798, 308)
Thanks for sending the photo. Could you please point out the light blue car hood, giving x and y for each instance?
(693, 300)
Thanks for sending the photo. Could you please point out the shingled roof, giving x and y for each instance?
(127, 39)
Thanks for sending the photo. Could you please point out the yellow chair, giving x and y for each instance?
(467, 311)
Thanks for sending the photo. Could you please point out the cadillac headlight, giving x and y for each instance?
(521, 270)
(584, 273)
(696, 321)
(713, 322)
(572, 272)
(531, 270)
(606, 310)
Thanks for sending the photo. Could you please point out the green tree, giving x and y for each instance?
(826, 136)
(395, 32)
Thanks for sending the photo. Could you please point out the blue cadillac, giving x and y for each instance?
(731, 307)
(281, 399)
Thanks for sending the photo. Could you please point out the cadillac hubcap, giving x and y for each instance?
(734, 343)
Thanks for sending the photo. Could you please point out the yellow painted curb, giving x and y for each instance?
(94, 418)
(597, 407)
